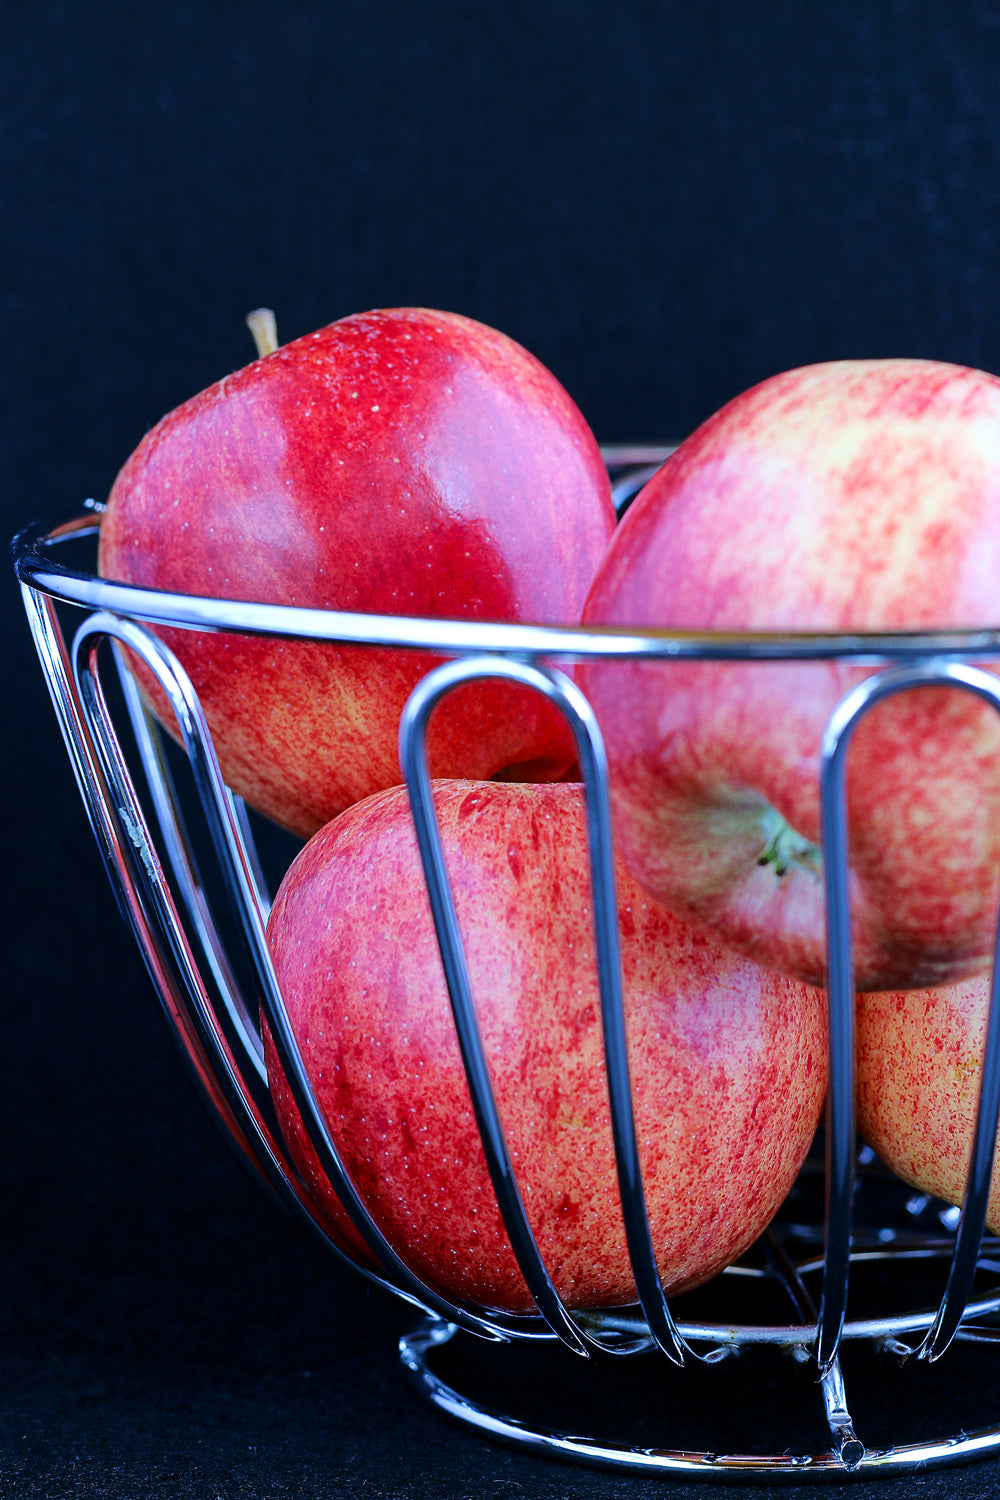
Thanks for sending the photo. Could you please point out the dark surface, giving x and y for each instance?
(665, 203)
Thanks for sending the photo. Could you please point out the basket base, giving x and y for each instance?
(418, 1349)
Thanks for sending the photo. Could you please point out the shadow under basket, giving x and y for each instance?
(854, 1325)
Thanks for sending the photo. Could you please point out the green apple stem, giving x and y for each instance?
(263, 325)
(785, 847)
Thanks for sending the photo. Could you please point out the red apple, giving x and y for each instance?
(919, 1058)
(728, 1060)
(857, 496)
(405, 462)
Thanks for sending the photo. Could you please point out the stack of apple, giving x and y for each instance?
(416, 463)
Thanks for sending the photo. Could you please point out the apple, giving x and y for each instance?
(852, 496)
(919, 1057)
(405, 462)
(728, 1060)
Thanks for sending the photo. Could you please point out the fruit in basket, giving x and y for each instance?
(918, 1067)
(403, 462)
(854, 496)
(728, 1060)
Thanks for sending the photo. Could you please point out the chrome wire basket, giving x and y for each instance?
(198, 913)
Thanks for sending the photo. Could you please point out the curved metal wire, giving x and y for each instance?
(460, 638)
(560, 691)
(844, 1459)
(840, 986)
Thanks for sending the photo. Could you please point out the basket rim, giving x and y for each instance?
(37, 570)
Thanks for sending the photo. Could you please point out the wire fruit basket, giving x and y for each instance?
(198, 912)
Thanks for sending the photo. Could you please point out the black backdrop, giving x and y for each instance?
(665, 202)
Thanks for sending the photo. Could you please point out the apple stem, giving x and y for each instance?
(263, 325)
(785, 847)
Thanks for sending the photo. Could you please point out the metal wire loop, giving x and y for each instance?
(840, 987)
(566, 696)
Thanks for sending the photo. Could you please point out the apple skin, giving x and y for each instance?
(918, 1059)
(860, 495)
(728, 1060)
(405, 462)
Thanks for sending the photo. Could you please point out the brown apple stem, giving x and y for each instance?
(263, 325)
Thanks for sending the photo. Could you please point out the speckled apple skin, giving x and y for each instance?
(728, 1060)
(402, 461)
(859, 495)
(919, 1063)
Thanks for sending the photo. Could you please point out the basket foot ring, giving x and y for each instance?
(416, 1349)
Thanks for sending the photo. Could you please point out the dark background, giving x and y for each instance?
(666, 202)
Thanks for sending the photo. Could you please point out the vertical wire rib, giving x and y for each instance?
(413, 759)
(939, 672)
(564, 694)
(256, 868)
(840, 1126)
(638, 1236)
(975, 1201)
(977, 1190)
(839, 1420)
(187, 876)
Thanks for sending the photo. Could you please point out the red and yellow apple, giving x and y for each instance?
(728, 1060)
(853, 496)
(405, 462)
(919, 1061)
